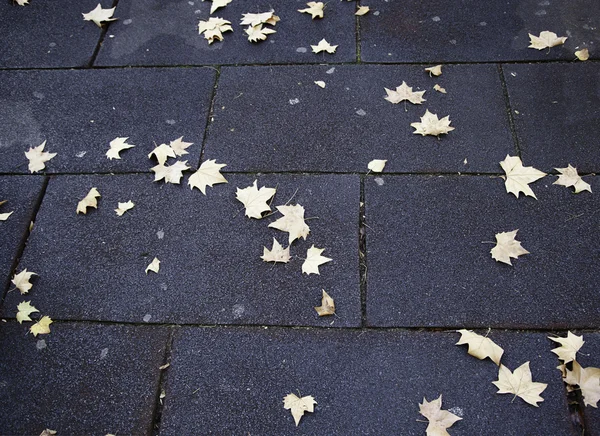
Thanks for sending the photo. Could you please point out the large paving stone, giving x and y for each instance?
(233, 380)
(165, 32)
(294, 125)
(21, 193)
(78, 113)
(556, 108)
(429, 262)
(47, 34)
(92, 266)
(80, 379)
(449, 31)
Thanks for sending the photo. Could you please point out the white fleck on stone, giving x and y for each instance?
(453, 41)
(170, 122)
(191, 3)
(540, 13)
(160, 234)
(294, 101)
(38, 95)
(465, 161)
(197, 11)
(41, 344)
(52, 44)
(330, 71)
(376, 13)
(457, 411)
(237, 310)
(483, 24)
(104, 353)
(379, 181)
(147, 318)
(127, 21)
(301, 49)
(513, 74)
(436, 19)
(361, 112)
(544, 3)
(163, 286)
(81, 154)
(111, 36)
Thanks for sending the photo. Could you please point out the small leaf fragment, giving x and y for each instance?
(292, 222)
(327, 306)
(99, 15)
(569, 177)
(362, 10)
(48, 432)
(439, 420)
(298, 406)
(24, 309)
(258, 33)
(260, 18)
(313, 260)
(480, 347)
(431, 125)
(216, 4)
(438, 88)
(38, 157)
(207, 175)
(214, 28)
(323, 45)
(519, 177)
(583, 54)
(546, 40)
(276, 254)
(377, 165)
(165, 366)
(255, 200)
(124, 207)
(4, 216)
(434, 71)
(116, 146)
(22, 2)
(315, 9)
(171, 173)
(90, 200)
(520, 383)
(569, 346)
(320, 83)
(42, 327)
(507, 247)
(404, 92)
(21, 281)
(154, 266)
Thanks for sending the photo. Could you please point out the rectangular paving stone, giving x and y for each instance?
(92, 266)
(80, 378)
(47, 34)
(444, 31)
(233, 380)
(429, 262)
(294, 125)
(556, 108)
(78, 113)
(21, 193)
(158, 32)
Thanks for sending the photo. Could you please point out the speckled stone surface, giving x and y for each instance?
(466, 31)
(429, 262)
(295, 125)
(78, 113)
(165, 32)
(79, 379)
(211, 270)
(368, 382)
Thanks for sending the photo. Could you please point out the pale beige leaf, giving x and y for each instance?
(362, 10)
(520, 383)
(438, 88)
(22, 2)
(255, 200)
(38, 157)
(439, 420)
(569, 177)
(179, 146)
(546, 40)
(313, 260)
(216, 4)
(99, 15)
(162, 153)
(4, 216)
(292, 222)
(320, 83)
(207, 175)
(583, 54)
(24, 309)
(116, 146)
(42, 327)
(323, 46)
(258, 33)
(327, 306)
(434, 71)
(48, 432)
(377, 165)
(214, 28)
(480, 346)
(519, 177)
(588, 380)
(315, 9)
(21, 281)
(124, 207)
(276, 254)
(431, 125)
(261, 18)
(298, 406)
(90, 200)
(569, 346)
(507, 247)
(171, 173)
(154, 266)
(404, 92)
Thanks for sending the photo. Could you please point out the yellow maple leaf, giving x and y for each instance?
(255, 200)
(124, 207)
(260, 18)
(434, 71)
(546, 40)
(207, 175)
(315, 9)
(313, 260)
(298, 406)
(38, 157)
(214, 28)
(323, 45)
(569, 177)
(569, 346)
(99, 15)
(154, 266)
(362, 10)
(438, 88)
(24, 309)
(258, 33)
(518, 177)
(588, 380)
(171, 173)
(439, 420)
(377, 165)
(480, 346)
(216, 4)
(320, 83)
(404, 92)
(327, 306)
(179, 146)
(162, 153)
(292, 222)
(90, 200)
(507, 247)
(520, 384)
(21, 281)
(431, 125)
(583, 54)
(116, 146)
(42, 327)
(276, 254)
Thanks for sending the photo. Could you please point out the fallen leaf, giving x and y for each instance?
(569, 177)
(313, 260)
(257, 33)
(323, 46)
(90, 200)
(320, 83)
(99, 15)
(207, 175)
(276, 254)
(255, 200)
(507, 247)
(431, 125)
(588, 380)
(546, 40)
(25, 309)
(569, 346)
(327, 306)
(520, 384)
(154, 266)
(439, 420)
(216, 4)
(434, 71)
(37, 157)
(315, 9)
(404, 92)
(518, 177)
(377, 165)
(261, 18)
(480, 346)
(21, 281)
(298, 406)
(583, 54)
(292, 222)
(171, 173)
(179, 146)
(22, 2)
(362, 10)
(4, 216)
(116, 146)
(124, 207)
(162, 153)
(438, 88)
(165, 366)
(42, 327)
(48, 432)
(214, 28)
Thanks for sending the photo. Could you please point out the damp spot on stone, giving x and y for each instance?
(294, 101)
(540, 13)
(127, 21)
(191, 3)
(41, 344)
(361, 112)
(482, 23)
(330, 71)
(38, 95)
(170, 122)
(544, 3)
(453, 41)
(376, 13)
(52, 44)
(436, 19)
(238, 310)
(80, 154)
(379, 181)
(197, 11)
(163, 286)
(160, 234)
(301, 50)
(104, 353)
(147, 318)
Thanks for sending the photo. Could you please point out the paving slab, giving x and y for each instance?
(556, 108)
(444, 31)
(47, 34)
(79, 112)
(80, 379)
(294, 125)
(159, 32)
(429, 262)
(210, 271)
(364, 382)
(21, 193)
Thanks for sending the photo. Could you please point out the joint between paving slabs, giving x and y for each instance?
(357, 25)
(509, 110)
(576, 410)
(209, 116)
(159, 397)
(362, 253)
(105, 28)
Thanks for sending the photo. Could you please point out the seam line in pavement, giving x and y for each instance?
(158, 401)
(105, 28)
(209, 115)
(362, 253)
(357, 32)
(509, 110)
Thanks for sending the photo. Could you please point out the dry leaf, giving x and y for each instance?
(154, 266)
(320, 83)
(507, 247)
(588, 380)
(518, 177)
(313, 260)
(438, 88)
(124, 207)
(162, 153)
(439, 420)
(546, 40)
(179, 146)
(323, 46)
(171, 173)
(480, 346)
(207, 175)
(99, 15)
(116, 146)
(315, 9)
(42, 327)
(48, 432)
(255, 200)
(569, 346)
(25, 309)
(377, 165)
(276, 254)
(22, 2)
(216, 4)
(569, 177)
(90, 200)
(298, 406)
(21, 281)
(520, 384)
(583, 54)
(362, 10)
(37, 157)
(431, 125)
(404, 92)
(434, 71)
(292, 222)
(261, 18)
(327, 306)
(4, 216)
(214, 28)
(257, 33)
